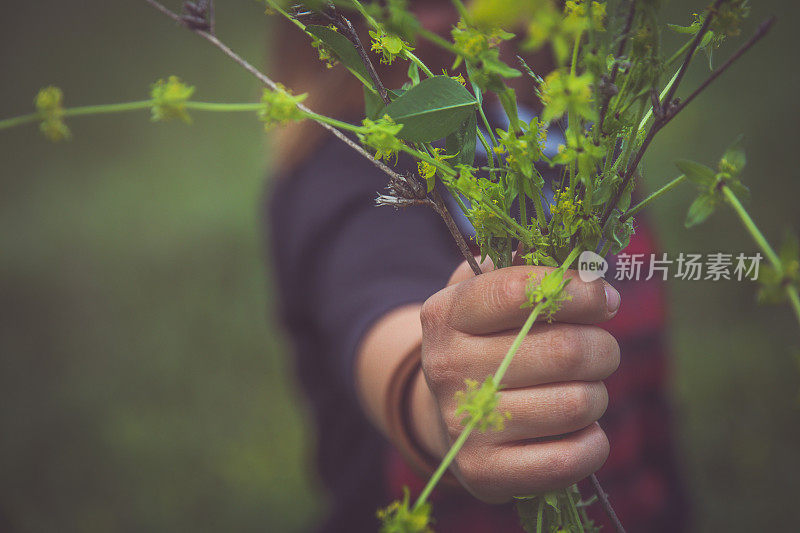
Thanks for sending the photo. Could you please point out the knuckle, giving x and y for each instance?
(436, 365)
(576, 403)
(435, 311)
(507, 291)
(564, 345)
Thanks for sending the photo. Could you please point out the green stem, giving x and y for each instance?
(333, 122)
(641, 205)
(679, 54)
(761, 241)
(575, 49)
(540, 515)
(124, 107)
(438, 40)
(574, 509)
(462, 11)
(274, 5)
(223, 107)
(445, 464)
(751, 227)
(19, 121)
(661, 96)
(489, 154)
(521, 198)
(606, 248)
(487, 126)
(417, 61)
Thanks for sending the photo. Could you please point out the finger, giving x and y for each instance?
(533, 468)
(550, 410)
(493, 301)
(550, 353)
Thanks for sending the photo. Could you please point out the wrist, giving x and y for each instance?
(424, 422)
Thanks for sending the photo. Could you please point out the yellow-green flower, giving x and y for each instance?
(279, 107)
(169, 100)
(390, 46)
(50, 106)
(381, 136)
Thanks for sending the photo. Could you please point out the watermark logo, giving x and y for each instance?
(591, 266)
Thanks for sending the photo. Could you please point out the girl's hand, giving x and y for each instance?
(553, 389)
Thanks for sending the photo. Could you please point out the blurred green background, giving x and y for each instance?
(143, 383)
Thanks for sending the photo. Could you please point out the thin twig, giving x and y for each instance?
(263, 78)
(667, 109)
(762, 30)
(441, 208)
(343, 23)
(712, 11)
(603, 497)
(615, 69)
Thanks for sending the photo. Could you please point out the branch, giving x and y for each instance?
(272, 85)
(603, 497)
(441, 208)
(263, 78)
(344, 25)
(667, 109)
(761, 32)
(615, 70)
(693, 48)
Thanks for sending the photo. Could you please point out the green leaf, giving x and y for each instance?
(372, 104)
(698, 174)
(692, 29)
(413, 73)
(431, 110)
(341, 46)
(734, 159)
(462, 141)
(701, 209)
(741, 191)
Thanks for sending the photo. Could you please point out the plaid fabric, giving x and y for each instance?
(641, 474)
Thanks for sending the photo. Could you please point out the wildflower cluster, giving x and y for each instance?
(711, 184)
(560, 28)
(169, 100)
(326, 55)
(547, 292)
(381, 136)
(480, 50)
(479, 404)
(400, 517)
(50, 107)
(428, 170)
(563, 92)
(389, 46)
(279, 107)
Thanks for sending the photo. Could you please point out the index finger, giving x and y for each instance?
(493, 301)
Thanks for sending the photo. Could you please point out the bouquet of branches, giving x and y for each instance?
(612, 91)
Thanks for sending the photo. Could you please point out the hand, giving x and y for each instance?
(553, 388)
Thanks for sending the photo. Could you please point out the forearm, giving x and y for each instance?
(390, 383)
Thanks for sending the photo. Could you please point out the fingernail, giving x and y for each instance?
(613, 299)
